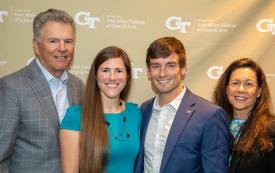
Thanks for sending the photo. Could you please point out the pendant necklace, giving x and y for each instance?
(124, 134)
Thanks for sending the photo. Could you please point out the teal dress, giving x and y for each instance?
(123, 131)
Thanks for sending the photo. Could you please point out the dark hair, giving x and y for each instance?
(254, 133)
(165, 46)
(94, 140)
(50, 15)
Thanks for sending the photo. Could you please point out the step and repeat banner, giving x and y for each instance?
(214, 33)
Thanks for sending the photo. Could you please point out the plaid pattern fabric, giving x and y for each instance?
(29, 125)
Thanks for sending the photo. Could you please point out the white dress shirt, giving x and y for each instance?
(157, 132)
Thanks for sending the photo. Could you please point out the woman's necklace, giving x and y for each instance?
(124, 133)
(235, 127)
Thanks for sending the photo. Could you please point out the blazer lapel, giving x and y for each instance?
(234, 162)
(73, 93)
(70, 89)
(42, 91)
(183, 115)
(146, 114)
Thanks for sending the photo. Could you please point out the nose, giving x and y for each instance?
(112, 75)
(162, 71)
(62, 46)
(241, 87)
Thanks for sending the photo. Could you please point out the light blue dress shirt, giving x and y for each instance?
(58, 88)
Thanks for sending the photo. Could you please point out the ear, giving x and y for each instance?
(148, 73)
(183, 72)
(35, 47)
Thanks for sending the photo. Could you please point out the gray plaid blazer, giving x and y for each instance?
(29, 124)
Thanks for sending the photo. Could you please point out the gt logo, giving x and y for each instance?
(85, 18)
(175, 23)
(266, 25)
(215, 72)
(2, 14)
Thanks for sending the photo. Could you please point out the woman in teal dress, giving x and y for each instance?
(102, 135)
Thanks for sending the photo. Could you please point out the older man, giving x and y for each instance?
(35, 98)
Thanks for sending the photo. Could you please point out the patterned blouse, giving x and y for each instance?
(235, 126)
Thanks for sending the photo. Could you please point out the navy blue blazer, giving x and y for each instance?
(198, 141)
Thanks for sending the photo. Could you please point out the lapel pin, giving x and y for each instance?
(188, 111)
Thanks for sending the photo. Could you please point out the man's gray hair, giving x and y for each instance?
(50, 15)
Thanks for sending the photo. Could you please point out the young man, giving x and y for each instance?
(180, 132)
(35, 98)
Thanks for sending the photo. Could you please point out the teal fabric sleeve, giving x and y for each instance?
(72, 119)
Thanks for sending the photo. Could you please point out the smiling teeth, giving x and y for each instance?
(61, 57)
(163, 81)
(111, 85)
(240, 98)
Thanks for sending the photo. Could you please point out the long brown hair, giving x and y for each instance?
(254, 133)
(94, 142)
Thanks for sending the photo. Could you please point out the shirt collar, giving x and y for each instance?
(49, 77)
(174, 103)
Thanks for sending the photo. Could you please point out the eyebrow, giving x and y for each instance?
(252, 80)
(112, 68)
(171, 62)
(56, 38)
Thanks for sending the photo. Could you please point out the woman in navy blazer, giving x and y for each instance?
(243, 93)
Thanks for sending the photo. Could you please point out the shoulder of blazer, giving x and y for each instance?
(202, 103)
(144, 106)
(16, 79)
(75, 79)
(202, 108)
